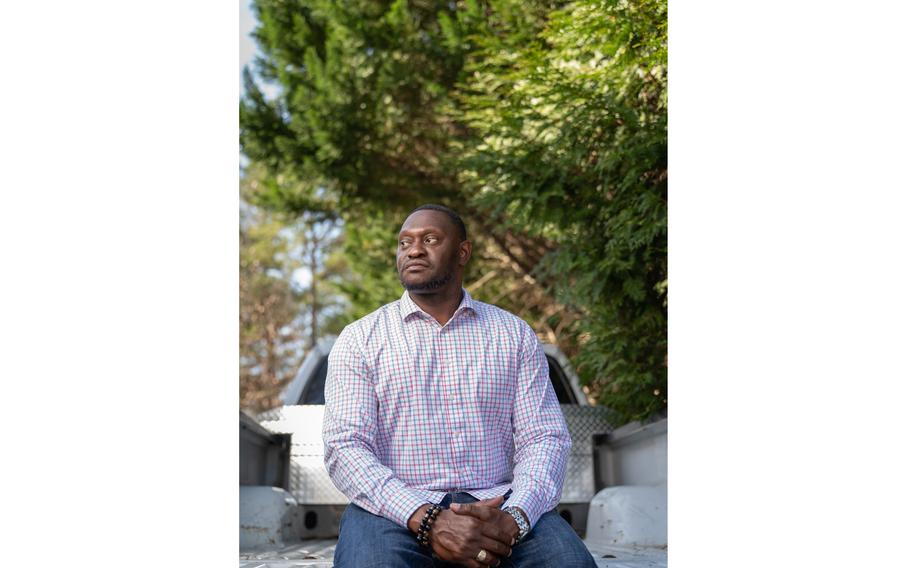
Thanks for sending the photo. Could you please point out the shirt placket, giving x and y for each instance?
(455, 403)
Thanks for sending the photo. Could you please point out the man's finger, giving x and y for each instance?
(472, 509)
(494, 531)
(497, 547)
(492, 521)
(489, 560)
(492, 502)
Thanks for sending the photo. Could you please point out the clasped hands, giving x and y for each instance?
(462, 531)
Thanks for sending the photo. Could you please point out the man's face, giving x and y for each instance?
(428, 251)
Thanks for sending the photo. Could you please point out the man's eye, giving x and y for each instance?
(429, 239)
(402, 243)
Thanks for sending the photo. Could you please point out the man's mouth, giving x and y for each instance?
(415, 266)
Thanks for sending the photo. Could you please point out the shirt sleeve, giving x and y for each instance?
(349, 437)
(542, 440)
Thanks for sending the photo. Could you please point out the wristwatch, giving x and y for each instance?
(523, 527)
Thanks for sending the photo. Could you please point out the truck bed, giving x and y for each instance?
(318, 553)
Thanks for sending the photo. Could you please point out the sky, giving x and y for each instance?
(248, 48)
(248, 51)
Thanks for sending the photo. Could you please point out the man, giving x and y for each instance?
(438, 400)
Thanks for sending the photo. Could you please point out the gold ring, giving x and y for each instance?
(481, 556)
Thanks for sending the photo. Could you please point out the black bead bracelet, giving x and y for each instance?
(423, 532)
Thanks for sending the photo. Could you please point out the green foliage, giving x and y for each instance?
(279, 316)
(569, 143)
(269, 341)
(370, 251)
(544, 123)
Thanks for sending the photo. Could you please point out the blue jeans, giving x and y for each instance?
(370, 541)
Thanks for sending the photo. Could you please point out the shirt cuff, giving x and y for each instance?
(528, 503)
(402, 506)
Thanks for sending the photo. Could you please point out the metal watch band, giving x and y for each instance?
(523, 527)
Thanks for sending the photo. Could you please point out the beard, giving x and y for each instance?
(434, 283)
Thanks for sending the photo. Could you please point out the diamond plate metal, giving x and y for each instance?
(583, 423)
(308, 553)
(310, 482)
(319, 553)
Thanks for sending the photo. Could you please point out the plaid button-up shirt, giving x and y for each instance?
(415, 410)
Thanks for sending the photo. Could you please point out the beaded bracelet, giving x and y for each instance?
(423, 532)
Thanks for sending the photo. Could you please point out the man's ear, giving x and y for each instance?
(464, 252)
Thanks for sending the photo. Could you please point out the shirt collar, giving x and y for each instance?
(407, 307)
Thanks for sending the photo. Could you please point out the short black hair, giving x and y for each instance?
(455, 217)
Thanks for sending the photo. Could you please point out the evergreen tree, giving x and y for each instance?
(543, 122)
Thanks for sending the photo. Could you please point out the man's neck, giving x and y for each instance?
(441, 304)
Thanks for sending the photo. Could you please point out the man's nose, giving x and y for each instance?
(416, 250)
